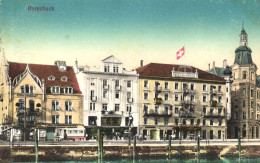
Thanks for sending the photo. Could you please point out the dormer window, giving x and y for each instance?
(68, 90)
(51, 77)
(55, 89)
(27, 89)
(64, 78)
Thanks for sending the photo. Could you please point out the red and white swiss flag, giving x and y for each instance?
(180, 53)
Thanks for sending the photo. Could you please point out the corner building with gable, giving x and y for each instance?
(44, 97)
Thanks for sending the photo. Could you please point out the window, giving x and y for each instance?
(176, 110)
(117, 94)
(55, 119)
(211, 122)
(55, 105)
(68, 119)
(146, 95)
(204, 109)
(166, 96)
(68, 90)
(21, 104)
(104, 94)
(184, 121)
(166, 120)
(176, 86)
(192, 87)
(31, 105)
(166, 110)
(244, 103)
(128, 95)
(106, 68)
(22, 89)
(116, 83)
(219, 134)
(176, 122)
(31, 118)
(55, 89)
(204, 122)
(204, 98)
(21, 119)
(155, 121)
(176, 97)
(219, 110)
(219, 122)
(204, 88)
(68, 105)
(92, 106)
(244, 115)
(145, 108)
(64, 78)
(219, 88)
(115, 69)
(128, 84)
(104, 107)
(204, 134)
(166, 85)
(104, 82)
(244, 91)
(117, 107)
(244, 74)
(145, 121)
(211, 110)
(192, 97)
(219, 99)
(192, 121)
(51, 77)
(128, 108)
(92, 81)
(156, 109)
(252, 92)
(146, 84)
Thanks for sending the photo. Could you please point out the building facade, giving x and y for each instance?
(181, 101)
(44, 97)
(110, 97)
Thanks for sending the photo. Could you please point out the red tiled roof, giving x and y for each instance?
(164, 70)
(44, 71)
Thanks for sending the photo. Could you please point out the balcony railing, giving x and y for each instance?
(188, 102)
(213, 103)
(105, 86)
(213, 115)
(156, 114)
(130, 100)
(93, 98)
(213, 91)
(112, 113)
(186, 114)
(118, 87)
(158, 101)
(158, 89)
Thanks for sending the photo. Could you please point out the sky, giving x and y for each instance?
(131, 30)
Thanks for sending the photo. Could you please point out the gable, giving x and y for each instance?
(111, 59)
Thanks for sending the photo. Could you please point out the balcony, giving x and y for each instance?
(213, 115)
(213, 91)
(186, 114)
(112, 113)
(34, 111)
(188, 102)
(93, 98)
(20, 110)
(213, 103)
(106, 87)
(186, 90)
(158, 89)
(156, 114)
(130, 100)
(118, 87)
(158, 101)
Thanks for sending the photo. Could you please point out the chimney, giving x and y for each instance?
(213, 66)
(224, 63)
(209, 66)
(141, 63)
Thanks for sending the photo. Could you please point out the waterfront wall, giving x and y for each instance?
(62, 153)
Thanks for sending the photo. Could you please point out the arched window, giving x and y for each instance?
(51, 77)
(27, 89)
(31, 89)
